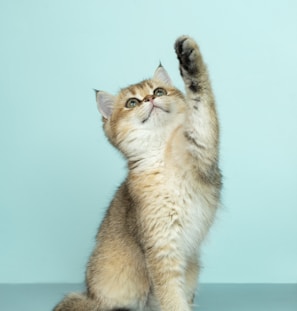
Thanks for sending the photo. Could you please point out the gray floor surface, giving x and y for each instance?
(210, 297)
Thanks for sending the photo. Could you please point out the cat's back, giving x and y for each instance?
(119, 219)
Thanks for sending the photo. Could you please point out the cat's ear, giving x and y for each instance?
(104, 103)
(162, 75)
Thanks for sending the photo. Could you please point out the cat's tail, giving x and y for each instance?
(78, 302)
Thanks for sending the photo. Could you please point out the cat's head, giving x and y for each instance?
(143, 115)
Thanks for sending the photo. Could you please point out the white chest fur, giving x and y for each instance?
(176, 208)
(180, 207)
(194, 214)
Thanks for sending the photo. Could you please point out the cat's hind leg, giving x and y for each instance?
(116, 276)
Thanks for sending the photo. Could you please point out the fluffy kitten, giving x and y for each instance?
(147, 251)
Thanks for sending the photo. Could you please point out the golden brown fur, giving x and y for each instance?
(147, 251)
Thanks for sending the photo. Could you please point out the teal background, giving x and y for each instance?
(58, 173)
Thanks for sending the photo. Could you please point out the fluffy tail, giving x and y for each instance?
(77, 302)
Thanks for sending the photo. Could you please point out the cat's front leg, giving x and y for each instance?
(165, 265)
(201, 129)
(167, 276)
(191, 65)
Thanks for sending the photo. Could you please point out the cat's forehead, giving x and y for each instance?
(141, 88)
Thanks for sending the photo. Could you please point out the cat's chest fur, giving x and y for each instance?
(193, 212)
(174, 206)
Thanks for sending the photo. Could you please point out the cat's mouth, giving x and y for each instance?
(151, 111)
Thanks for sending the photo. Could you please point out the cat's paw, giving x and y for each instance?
(188, 54)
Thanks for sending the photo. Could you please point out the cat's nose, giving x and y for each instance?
(149, 98)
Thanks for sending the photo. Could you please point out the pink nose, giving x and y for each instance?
(149, 98)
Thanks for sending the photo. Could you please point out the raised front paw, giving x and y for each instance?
(188, 55)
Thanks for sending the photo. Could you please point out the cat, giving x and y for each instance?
(147, 252)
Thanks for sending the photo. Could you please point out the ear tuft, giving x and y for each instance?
(104, 103)
(162, 75)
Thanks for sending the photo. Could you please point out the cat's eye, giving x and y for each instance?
(132, 103)
(160, 92)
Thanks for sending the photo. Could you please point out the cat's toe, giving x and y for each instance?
(179, 44)
(187, 53)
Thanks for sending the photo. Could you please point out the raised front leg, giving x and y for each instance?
(201, 128)
(192, 67)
